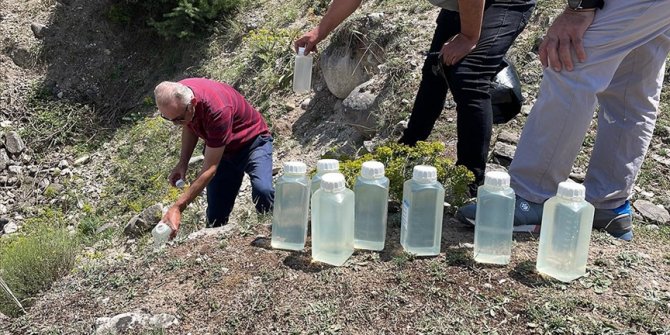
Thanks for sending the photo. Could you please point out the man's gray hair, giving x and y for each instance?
(169, 90)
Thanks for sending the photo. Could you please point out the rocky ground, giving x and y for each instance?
(230, 280)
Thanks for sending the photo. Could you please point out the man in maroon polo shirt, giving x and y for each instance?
(237, 140)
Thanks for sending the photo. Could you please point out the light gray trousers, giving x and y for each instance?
(626, 48)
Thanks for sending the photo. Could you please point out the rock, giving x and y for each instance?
(196, 159)
(400, 127)
(25, 158)
(508, 137)
(13, 143)
(15, 169)
(651, 212)
(359, 109)
(503, 153)
(125, 322)
(63, 164)
(305, 103)
(376, 18)
(10, 228)
(82, 160)
(525, 109)
(495, 167)
(66, 173)
(5, 124)
(208, 232)
(578, 176)
(143, 223)
(4, 159)
(661, 159)
(39, 30)
(44, 183)
(3, 209)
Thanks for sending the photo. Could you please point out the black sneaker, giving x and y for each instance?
(527, 215)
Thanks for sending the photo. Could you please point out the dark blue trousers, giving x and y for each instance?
(256, 161)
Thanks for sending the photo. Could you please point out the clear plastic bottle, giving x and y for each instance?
(566, 233)
(291, 208)
(494, 220)
(323, 166)
(302, 72)
(161, 234)
(332, 221)
(422, 212)
(371, 209)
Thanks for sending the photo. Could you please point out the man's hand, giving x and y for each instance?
(456, 48)
(564, 35)
(309, 41)
(173, 219)
(179, 172)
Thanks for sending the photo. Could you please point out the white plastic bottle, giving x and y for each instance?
(291, 208)
(371, 208)
(422, 212)
(332, 221)
(494, 220)
(180, 184)
(566, 233)
(302, 72)
(161, 234)
(323, 166)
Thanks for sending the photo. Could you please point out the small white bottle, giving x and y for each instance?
(323, 166)
(333, 221)
(180, 184)
(302, 72)
(371, 210)
(494, 219)
(566, 233)
(291, 208)
(422, 212)
(161, 234)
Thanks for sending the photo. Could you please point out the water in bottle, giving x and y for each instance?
(422, 211)
(161, 234)
(332, 221)
(494, 220)
(566, 233)
(291, 208)
(323, 166)
(302, 73)
(371, 208)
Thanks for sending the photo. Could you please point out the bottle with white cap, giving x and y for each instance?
(323, 166)
(371, 208)
(332, 221)
(161, 234)
(566, 233)
(494, 219)
(291, 208)
(302, 72)
(422, 211)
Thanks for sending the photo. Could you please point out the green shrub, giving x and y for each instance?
(173, 18)
(399, 161)
(29, 264)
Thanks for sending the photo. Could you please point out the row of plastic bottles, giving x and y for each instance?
(344, 219)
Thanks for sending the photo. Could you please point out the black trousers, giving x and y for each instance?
(469, 81)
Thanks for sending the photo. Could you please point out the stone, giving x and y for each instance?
(145, 221)
(66, 172)
(359, 109)
(376, 18)
(209, 232)
(503, 153)
(3, 209)
(400, 127)
(525, 109)
(63, 164)
(15, 169)
(196, 159)
(508, 137)
(5, 124)
(10, 228)
(4, 159)
(578, 176)
(39, 30)
(3, 222)
(82, 160)
(651, 212)
(305, 103)
(44, 183)
(125, 322)
(13, 143)
(346, 64)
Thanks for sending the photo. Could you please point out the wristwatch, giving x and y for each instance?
(585, 4)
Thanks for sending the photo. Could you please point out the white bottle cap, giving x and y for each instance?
(496, 179)
(327, 165)
(162, 228)
(332, 182)
(180, 183)
(301, 51)
(372, 170)
(571, 190)
(295, 168)
(424, 174)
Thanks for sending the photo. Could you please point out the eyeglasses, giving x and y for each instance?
(178, 118)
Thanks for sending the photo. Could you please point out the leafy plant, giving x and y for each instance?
(399, 161)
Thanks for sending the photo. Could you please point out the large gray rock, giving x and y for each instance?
(143, 223)
(503, 153)
(13, 143)
(126, 322)
(10, 228)
(4, 159)
(508, 137)
(360, 109)
(651, 212)
(342, 70)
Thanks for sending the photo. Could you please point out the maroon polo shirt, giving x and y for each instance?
(223, 116)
